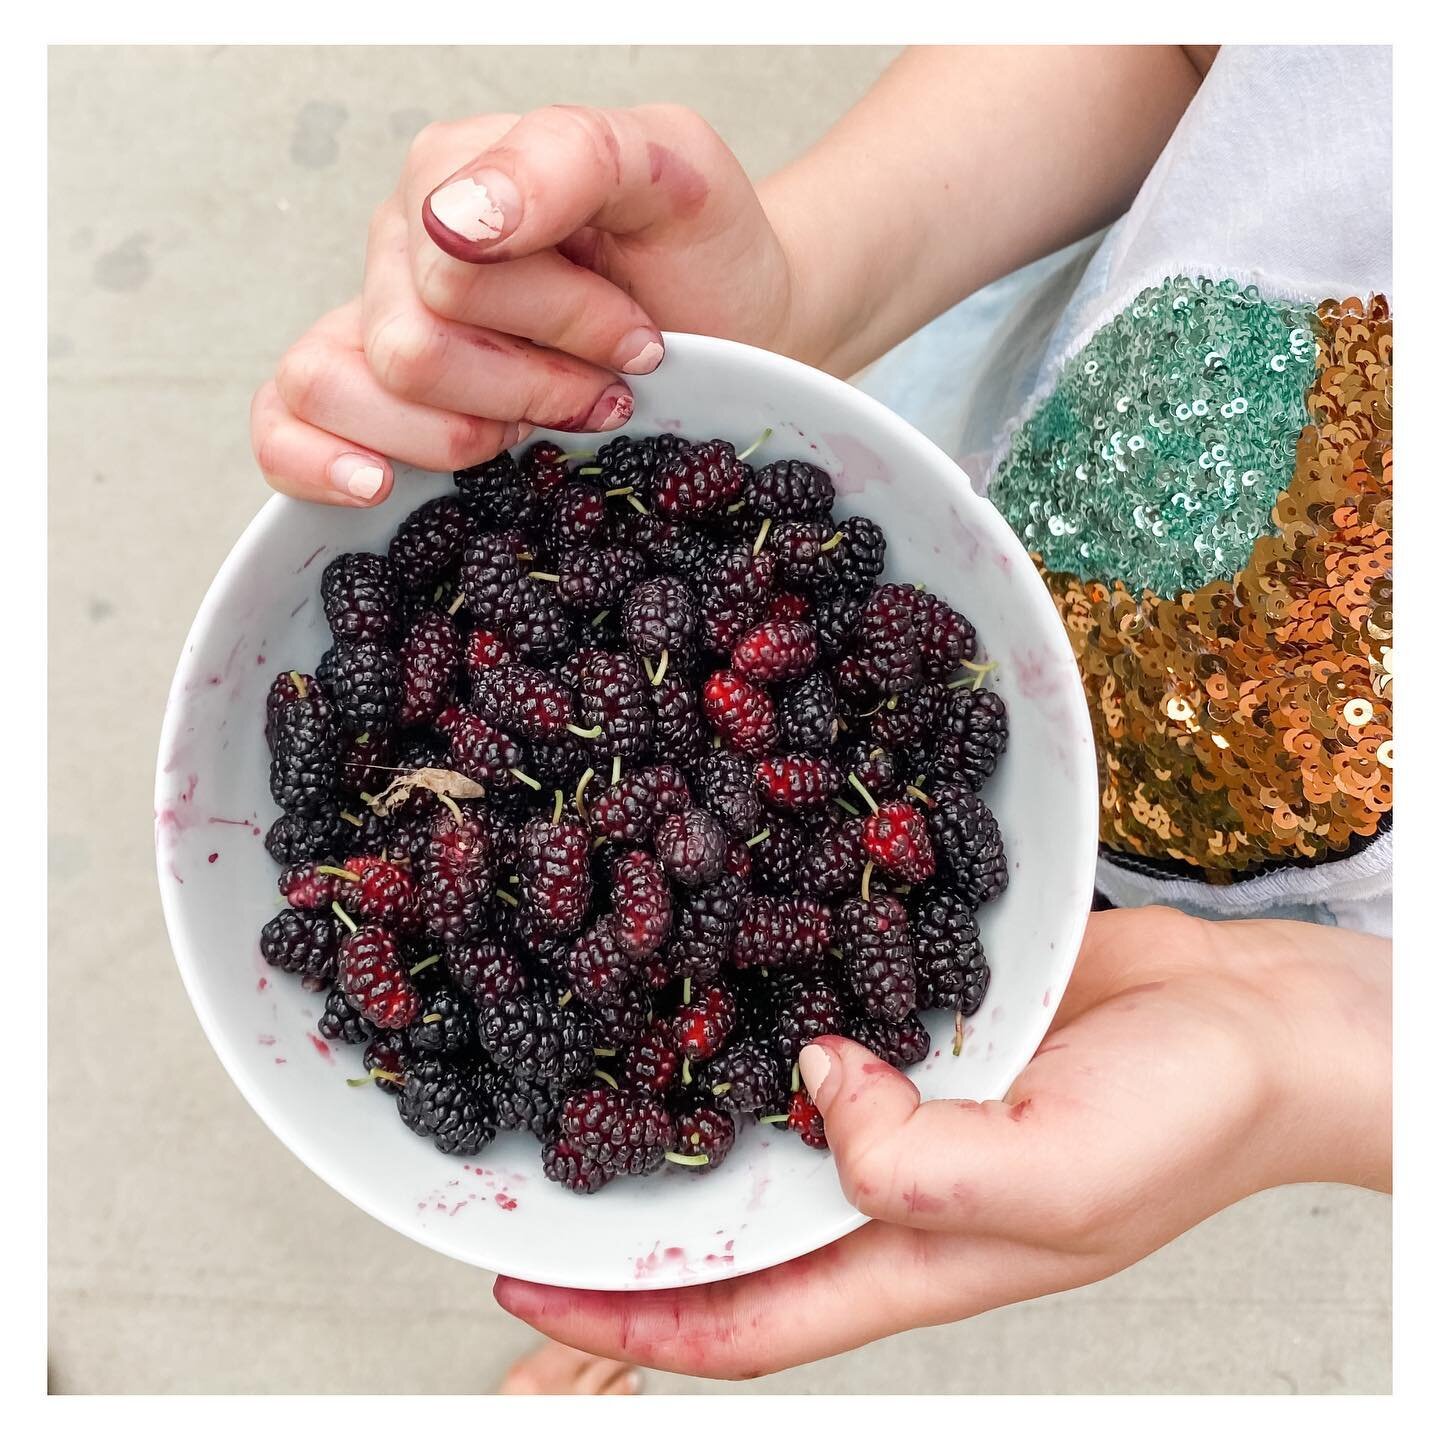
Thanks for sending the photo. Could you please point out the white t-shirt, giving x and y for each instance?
(1272, 196)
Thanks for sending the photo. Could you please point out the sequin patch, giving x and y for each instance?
(1250, 719)
(1158, 456)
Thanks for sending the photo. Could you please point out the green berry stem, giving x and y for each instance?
(864, 793)
(675, 1158)
(335, 906)
(585, 779)
(750, 449)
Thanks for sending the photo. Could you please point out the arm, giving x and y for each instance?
(961, 164)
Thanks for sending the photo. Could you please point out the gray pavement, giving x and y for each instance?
(205, 205)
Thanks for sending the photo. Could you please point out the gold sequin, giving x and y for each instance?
(1251, 720)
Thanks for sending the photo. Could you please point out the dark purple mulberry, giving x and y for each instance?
(781, 934)
(429, 543)
(879, 963)
(790, 490)
(968, 845)
(359, 597)
(555, 873)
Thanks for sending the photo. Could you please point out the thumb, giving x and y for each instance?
(986, 1166)
(865, 1104)
(562, 168)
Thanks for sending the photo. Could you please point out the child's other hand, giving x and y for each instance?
(521, 269)
(1191, 1064)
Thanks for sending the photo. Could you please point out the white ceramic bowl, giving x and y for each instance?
(774, 1199)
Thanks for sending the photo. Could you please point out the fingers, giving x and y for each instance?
(325, 381)
(991, 1168)
(880, 1280)
(310, 464)
(565, 167)
(545, 297)
(425, 358)
(866, 1285)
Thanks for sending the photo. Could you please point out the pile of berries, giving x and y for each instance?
(625, 776)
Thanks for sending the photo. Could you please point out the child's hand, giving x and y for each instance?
(1191, 1064)
(520, 269)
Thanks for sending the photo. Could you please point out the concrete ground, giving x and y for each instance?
(205, 206)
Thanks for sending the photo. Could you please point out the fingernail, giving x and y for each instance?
(645, 351)
(614, 407)
(814, 1067)
(524, 433)
(479, 208)
(357, 476)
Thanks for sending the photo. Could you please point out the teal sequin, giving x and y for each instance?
(1158, 457)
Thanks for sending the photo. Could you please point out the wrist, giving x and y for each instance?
(1328, 994)
(792, 330)
(831, 287)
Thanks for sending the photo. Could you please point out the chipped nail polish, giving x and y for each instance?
(357, 476)
(614, 407)
(645, 352)
(814, 1067)
(477, 208)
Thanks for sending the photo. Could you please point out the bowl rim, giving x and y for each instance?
(290, 1130)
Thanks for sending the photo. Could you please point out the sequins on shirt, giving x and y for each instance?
(1243, 715)
(1159, 453)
